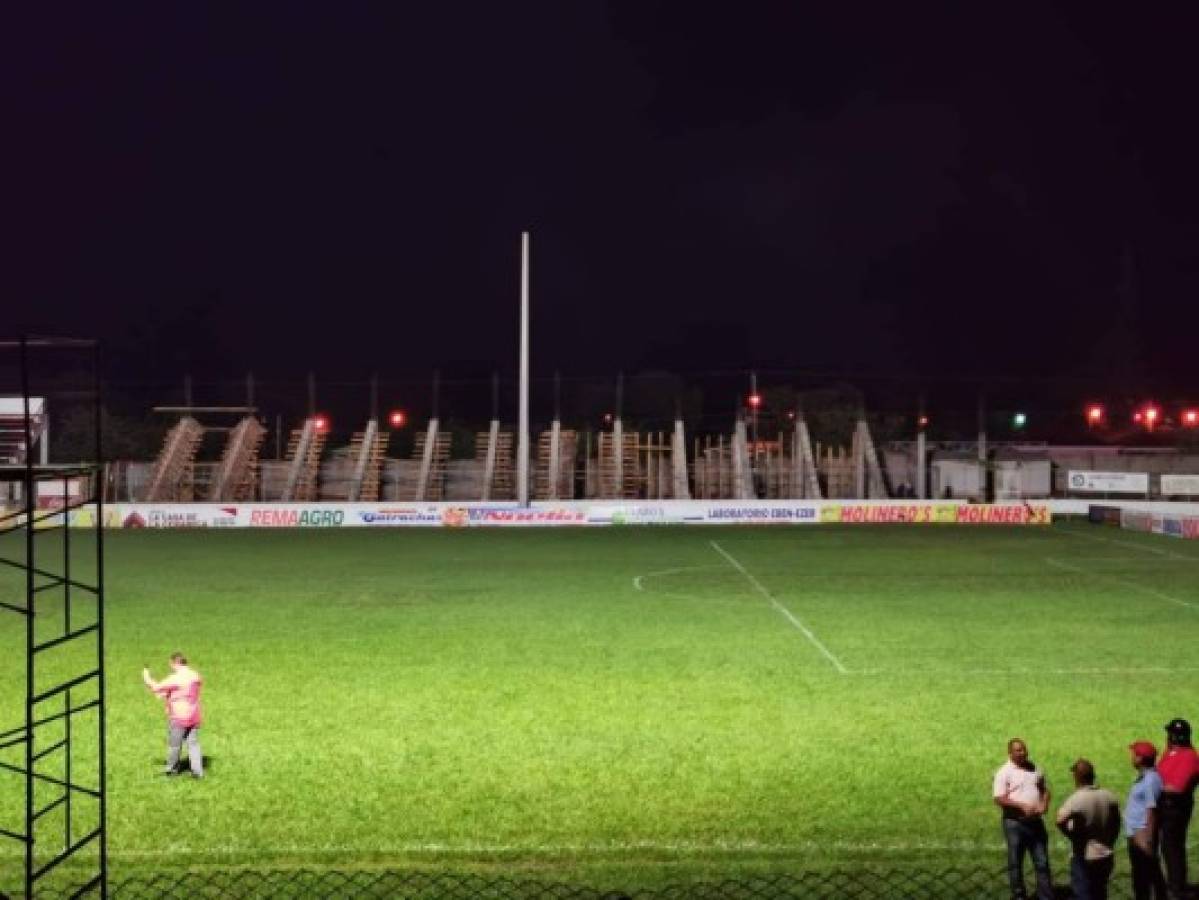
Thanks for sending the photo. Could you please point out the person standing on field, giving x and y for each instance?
(1179, 770)
(181, 693)
(1021, 793)
(1090, 818)
(1141, 825)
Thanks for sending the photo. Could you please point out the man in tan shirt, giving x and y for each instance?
(1090, 818)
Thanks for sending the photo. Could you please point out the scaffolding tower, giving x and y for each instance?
(52, 608)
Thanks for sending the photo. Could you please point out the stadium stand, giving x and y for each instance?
(236, 475)
(619, 464)
(554, 471)
(493, 450)
(868, 475)
(368, 449)
(432, 448)
(304, 450)
(173, 477)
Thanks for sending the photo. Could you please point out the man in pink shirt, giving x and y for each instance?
(181, 693)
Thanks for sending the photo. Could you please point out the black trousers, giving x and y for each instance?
(1147, 880)
(1175, 812)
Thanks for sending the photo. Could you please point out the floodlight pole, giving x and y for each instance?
(522, 440)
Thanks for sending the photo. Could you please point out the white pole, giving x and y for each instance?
(522, 441)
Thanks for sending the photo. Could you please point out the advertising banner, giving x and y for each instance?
(1180, 485)
(1109, 482)
(1150, 521)
(576, 513)
(937, 513)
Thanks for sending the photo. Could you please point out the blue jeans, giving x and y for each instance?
(1089, 877)
(1027, 836)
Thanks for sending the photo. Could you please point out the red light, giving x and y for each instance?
(754, 400)
(1095, 414)
(321, 423)
(397, 419)
(1137, 416)
(922, 421)
(1151, 415)
(608, 418)
(1190, 417)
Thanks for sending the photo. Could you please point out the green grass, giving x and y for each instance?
(622, 706)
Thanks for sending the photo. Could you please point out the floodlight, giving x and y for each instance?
(1019, 420)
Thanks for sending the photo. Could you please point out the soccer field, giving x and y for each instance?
(625, 706)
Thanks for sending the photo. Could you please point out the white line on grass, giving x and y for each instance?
(786, 612)
(1159, 551)
(638, 581)
(1161, 595)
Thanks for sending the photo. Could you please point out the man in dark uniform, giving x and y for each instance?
(1179, 769)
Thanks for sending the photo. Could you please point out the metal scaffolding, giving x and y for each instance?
(53, 540)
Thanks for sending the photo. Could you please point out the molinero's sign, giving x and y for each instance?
(936, 514)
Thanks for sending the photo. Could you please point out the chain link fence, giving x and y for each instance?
(838, 884)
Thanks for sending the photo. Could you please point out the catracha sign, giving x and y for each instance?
(1109, 482)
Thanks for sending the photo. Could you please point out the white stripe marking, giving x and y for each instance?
(638, 581)
(1161, 595)
(1169, 554)
(782, 609)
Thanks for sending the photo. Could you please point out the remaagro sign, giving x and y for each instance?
(313, 517)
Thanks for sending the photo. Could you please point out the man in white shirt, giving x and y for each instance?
(1020, 792)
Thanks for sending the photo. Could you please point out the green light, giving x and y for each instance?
(1019, 420)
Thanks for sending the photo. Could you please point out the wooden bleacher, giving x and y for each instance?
(368, 449)
(562, 485)
(494, 453)
(304, 449)
(433, 456)
(619, 466)
(172, 478)
(236, 476)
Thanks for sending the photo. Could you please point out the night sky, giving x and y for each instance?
(944, 191)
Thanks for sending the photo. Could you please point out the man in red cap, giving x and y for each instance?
(1141, 824)
(1179, 769)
